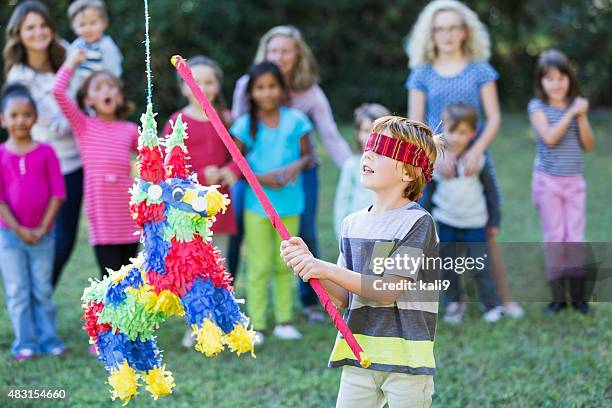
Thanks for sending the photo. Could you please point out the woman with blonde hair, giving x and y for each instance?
(448, 50)
(285, 46)
(32, 55)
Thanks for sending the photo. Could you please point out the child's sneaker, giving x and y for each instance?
(189, 339)
(287, 332)
(493, 315)
(555, 307)
(454, 312)
(258, 339)
(57, 351)
(513, 310)
(25, 354)
(582, 307)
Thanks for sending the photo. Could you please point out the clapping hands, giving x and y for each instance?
(223, 176)
(580, 106)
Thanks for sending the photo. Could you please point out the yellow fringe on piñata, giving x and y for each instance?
(216, 202)
(209, 338)
(159, 382)
(169, 304)
(144, 295)
(124, 383)
(166, 302)
(240, 340)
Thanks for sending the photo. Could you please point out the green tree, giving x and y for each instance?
(358, 43)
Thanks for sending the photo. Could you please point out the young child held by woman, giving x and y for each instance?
(274, 140)
(351, 196)
(89, 20)
(558, 116)
(106, 142)
(463, 206)
(31, 193)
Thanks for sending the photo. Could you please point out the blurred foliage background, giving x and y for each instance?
(358, 43)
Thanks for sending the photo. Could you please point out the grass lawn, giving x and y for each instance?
(561, 361)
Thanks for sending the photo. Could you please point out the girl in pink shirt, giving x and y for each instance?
(210, 159)
(106, 143)
(31, 193)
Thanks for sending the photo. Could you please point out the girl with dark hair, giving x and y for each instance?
(275, 141)
(32, 55)
(28, 169)
(562, 131)
(285, 46)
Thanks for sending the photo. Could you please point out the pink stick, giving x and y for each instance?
(185, 73)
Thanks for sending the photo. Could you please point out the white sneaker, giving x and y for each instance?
(58, 351)
(258, 339)
(287, 332)
(513, 310)
(189, 339)
(454, 312)
(493, 315)
(24, 354)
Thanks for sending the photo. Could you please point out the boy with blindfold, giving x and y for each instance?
(386, 273)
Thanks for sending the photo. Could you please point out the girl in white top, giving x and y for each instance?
(351, 196)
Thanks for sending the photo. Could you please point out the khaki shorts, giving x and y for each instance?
(361, 388)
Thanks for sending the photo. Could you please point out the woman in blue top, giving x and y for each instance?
(448, 51)
(275, 142)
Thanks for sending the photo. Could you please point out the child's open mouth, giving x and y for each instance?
(107, 101)
(366, 170)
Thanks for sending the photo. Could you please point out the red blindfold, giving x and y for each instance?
(401, 151)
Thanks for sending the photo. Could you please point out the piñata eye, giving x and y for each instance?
(178, 194)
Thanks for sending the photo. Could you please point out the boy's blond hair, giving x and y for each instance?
(80, 5)
(418, 134)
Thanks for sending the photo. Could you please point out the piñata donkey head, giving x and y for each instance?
(178, 273)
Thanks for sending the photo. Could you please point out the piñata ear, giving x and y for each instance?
(177, 159)
(150, 156)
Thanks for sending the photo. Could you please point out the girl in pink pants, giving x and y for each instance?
(562, 131)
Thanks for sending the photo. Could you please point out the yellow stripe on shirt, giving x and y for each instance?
(389, 350)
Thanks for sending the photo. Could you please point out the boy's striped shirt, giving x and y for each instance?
(397, 337)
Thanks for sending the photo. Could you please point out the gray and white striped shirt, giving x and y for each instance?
(565, 158)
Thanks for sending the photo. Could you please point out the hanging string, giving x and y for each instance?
(148, 52)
